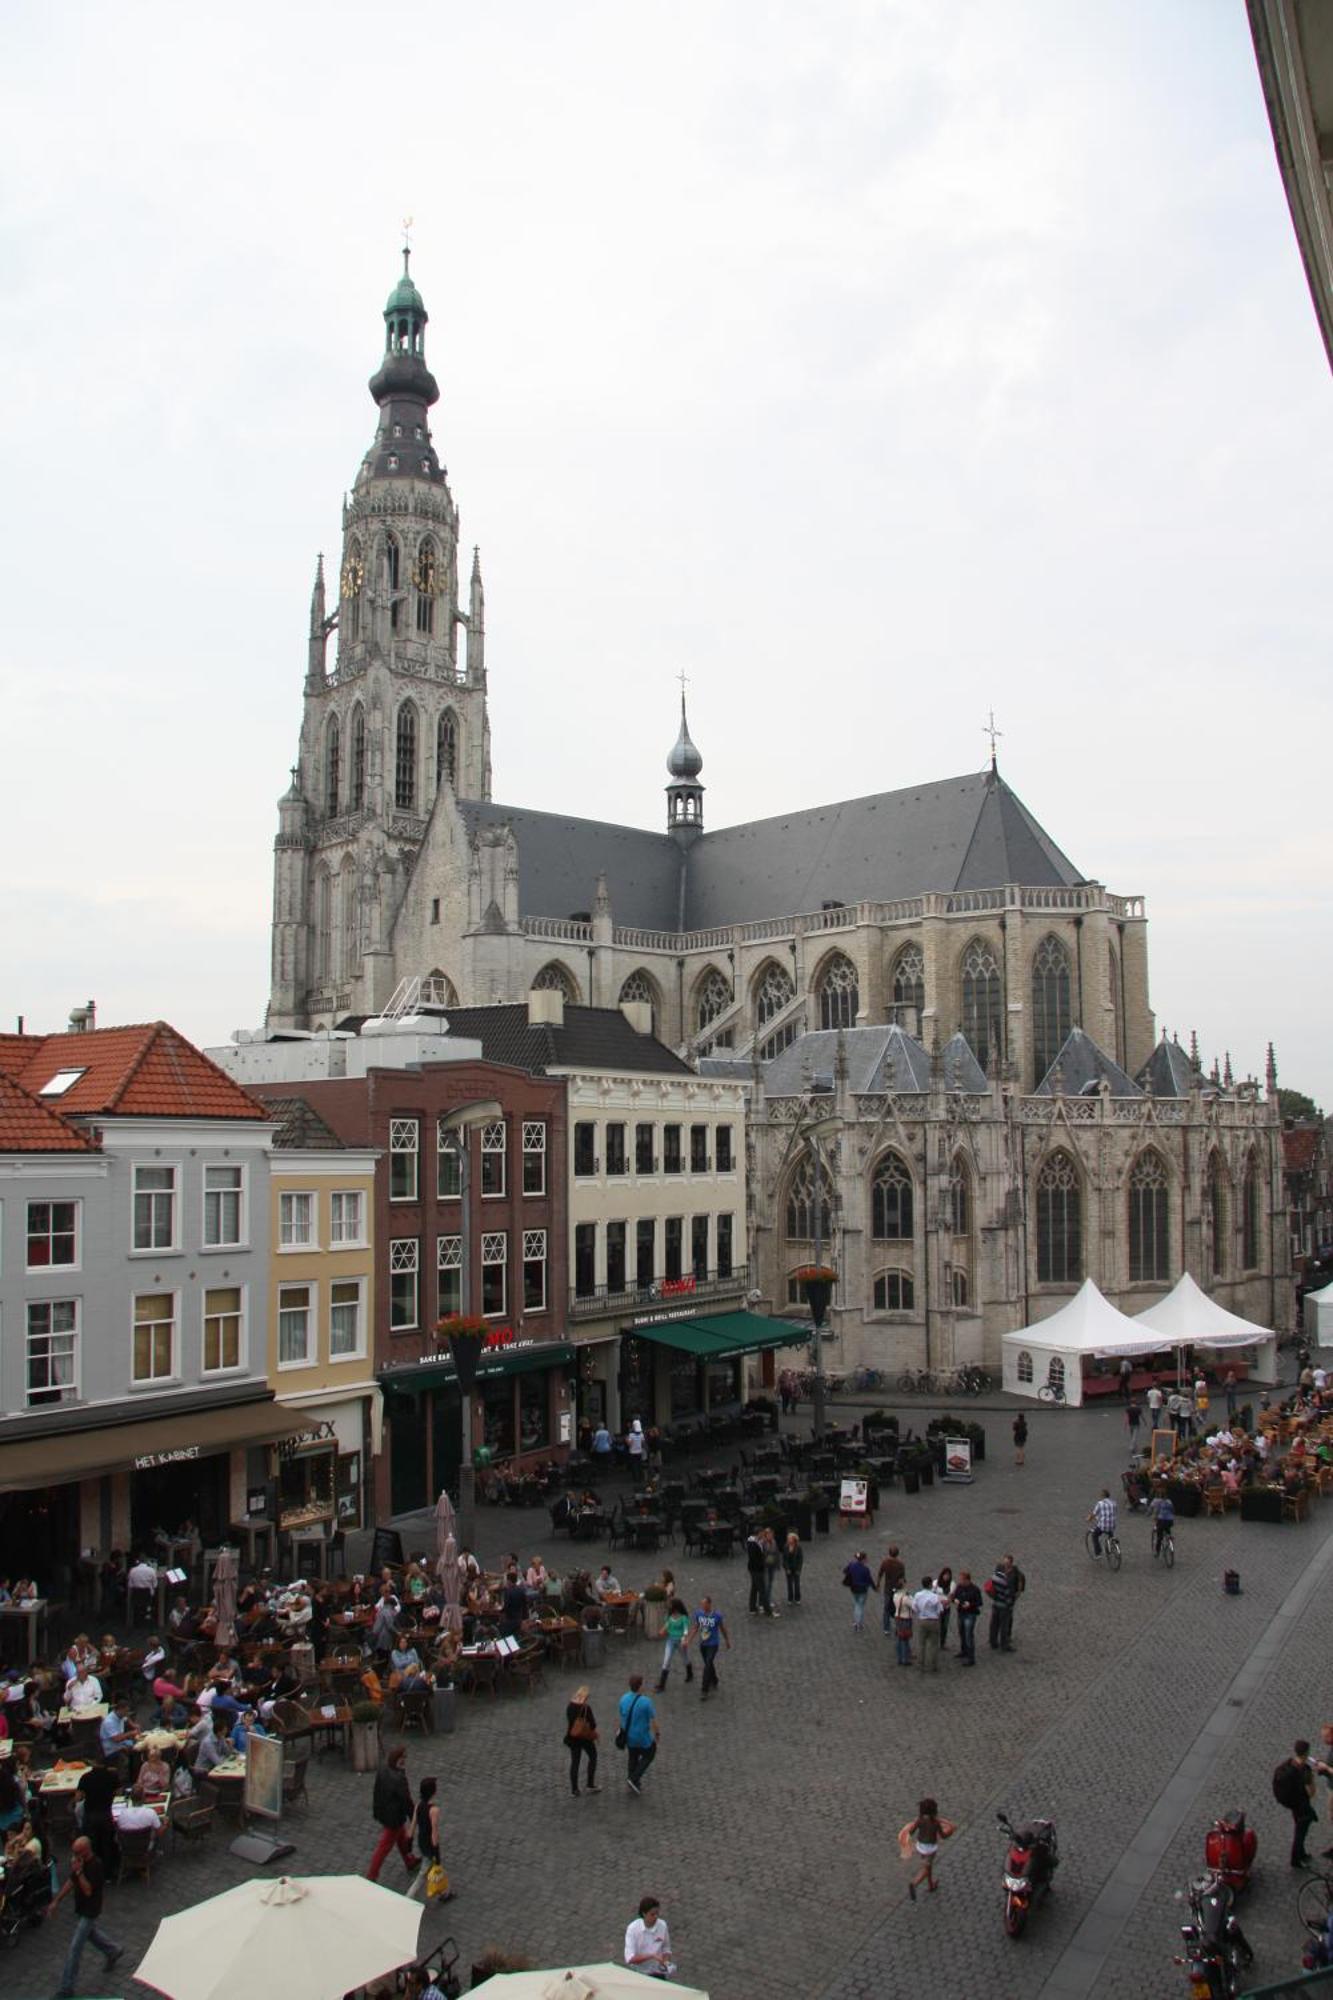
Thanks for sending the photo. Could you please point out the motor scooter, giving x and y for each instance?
(1229, 1849)
(1029, 1868)
(1216, 1948)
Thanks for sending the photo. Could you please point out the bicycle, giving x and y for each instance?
(1314, 1900)
(1110, 1551)
(1051, 1392)
(867, 1378)
(1165, 1549)
(971, 1381)
(917, 1382)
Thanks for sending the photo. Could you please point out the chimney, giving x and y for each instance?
(546, 1007)
(639, 1014)
(82, 1020)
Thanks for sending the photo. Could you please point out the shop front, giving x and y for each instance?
(521, 1413)
(675, 1370)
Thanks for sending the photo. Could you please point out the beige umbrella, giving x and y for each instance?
(584, 1982)
(224, 1597)
(446, 1568)
(315, 1937)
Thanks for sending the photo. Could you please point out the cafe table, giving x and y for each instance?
(96, 1711)
(63, 1779)
(228, 1781)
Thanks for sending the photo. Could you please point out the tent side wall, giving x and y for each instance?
(1041, 1357)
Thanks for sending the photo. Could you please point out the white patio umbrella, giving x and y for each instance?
(313, 1937)
(584, 1982)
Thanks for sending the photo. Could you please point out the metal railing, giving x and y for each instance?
(600, 1301)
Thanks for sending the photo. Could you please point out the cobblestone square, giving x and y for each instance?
(768, 1822)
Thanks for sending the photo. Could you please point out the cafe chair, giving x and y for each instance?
(138, 1851)
(293, 1781)
(524, 1669)
(413, 1708)
(192, 1818)
(1215, 1500)
(617, 1530)
(58, 1814)
(481, 1673)
(619, 1618)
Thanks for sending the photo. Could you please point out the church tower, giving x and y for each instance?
(398, 715)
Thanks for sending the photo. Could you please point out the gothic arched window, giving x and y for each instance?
(712, 996)
(427, 583)
(801, 1205)
(891, 1201)
(772, 992)
(393, 563)
(909, 988)
(1059, 1222)
(405, 760)
(446, 751)
(960, 1198)
(332, 765)
(349, 930)
(323, 926)
(981, 1003)
(553, 978)
(353, 576)
(357, 794)
(1215, 1190)
(894, 1292)
(1051, 1016)
(1149, 1221)
(641, 987)
(839, 992)
(1249, 1216)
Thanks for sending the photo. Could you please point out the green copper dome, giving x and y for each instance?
(405, 297)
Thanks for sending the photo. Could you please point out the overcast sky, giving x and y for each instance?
(875, 364)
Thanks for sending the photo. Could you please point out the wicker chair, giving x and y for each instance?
(138, 1851)
(192, 1818)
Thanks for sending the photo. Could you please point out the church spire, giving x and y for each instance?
(685, 795)
(476, 622)
(320, 628)
(404, 388)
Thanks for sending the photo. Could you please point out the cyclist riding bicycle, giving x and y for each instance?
(1163, 1521)
(1103, 1520)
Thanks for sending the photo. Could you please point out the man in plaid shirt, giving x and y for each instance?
(1103, 1520)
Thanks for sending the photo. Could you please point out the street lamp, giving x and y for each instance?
(817, 1289)
(466, 1348)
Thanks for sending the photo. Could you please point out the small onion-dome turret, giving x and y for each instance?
(684, 761)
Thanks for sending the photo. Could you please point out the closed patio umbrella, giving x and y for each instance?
(224, 1597)
(446, 1567)
(312, 1937)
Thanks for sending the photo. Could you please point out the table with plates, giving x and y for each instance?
(94, 1711)
(62, 1779)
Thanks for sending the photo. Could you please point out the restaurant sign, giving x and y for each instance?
(151, 1459)
(321, 1433)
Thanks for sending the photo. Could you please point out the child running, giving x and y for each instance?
(928, 1829)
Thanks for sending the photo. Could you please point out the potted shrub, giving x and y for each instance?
(654, 1611)
(363, 1736)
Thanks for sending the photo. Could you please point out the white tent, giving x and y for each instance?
(1187, 1317)
(1053, 1349)
(1319, 1317)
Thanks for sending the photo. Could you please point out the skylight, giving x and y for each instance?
(63, 1080)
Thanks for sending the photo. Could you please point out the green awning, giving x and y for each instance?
(721, 1336)
(439, 1373)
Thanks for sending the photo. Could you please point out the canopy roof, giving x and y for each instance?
(1089, 1324)
(1188, 1317)
(721, 1336)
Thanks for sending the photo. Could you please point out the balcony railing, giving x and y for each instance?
(599, 1302)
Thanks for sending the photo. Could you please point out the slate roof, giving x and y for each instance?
(591, 1038)
(1168, 1071)
(878, 1058)
(970, 832)
(29, 1126)
(1082, 1065)
(145, 1071)
(300, 1127)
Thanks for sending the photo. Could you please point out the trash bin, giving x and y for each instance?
(594, 1647)
(444, 1710)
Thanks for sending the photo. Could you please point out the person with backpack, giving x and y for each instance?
(860, 1580)
(1293, 1788)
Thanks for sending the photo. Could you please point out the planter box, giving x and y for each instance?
(1185, 1499)
(594, 1648)
(1258, 1504)
(654, 1617)
(445, 1711)
(363, 1746)
(912, 1481)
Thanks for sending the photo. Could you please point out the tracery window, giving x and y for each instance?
(895, 1291)
(332, 759)
(981, 1003)
(1059, 1222)
(349, 929)
(324, 926)
(357, 796)
(801, 1205)
(427, 583)
(1149, 1221)
(553, 978)
(1051, 1015)
(773, 991)
(891, 1218)
(960, 1198)
(446, 751)
(405, 760)
(1216, 1206)
(909, 988)
(639, 986)
(392, 568)
(839, 993)
(1249, 1216)
(713, 997)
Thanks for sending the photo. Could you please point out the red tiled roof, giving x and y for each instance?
(146, 1071)
(27, 1126)
(1299, 1148)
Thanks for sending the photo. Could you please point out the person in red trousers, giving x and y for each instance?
(392, 1807)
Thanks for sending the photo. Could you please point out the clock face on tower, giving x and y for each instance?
(353, 576)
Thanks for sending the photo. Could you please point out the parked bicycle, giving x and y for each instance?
(968, 1381)
(1051, 1392)
(1314, 1902)
(918, 1382)
(867, 1378)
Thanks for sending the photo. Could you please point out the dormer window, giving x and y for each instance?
(398, 430)
(393, 461)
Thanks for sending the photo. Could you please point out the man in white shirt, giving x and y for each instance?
(605, 1585)
(648, 1943)
(635, 1444)
(1154, 1402)
(127, 1818)
(84, 1691)
(927, 1606)
(141, 1586)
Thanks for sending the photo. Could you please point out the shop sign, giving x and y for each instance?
(322, 1433)
(151, 1459)
(656, 1319)
(671, 1288)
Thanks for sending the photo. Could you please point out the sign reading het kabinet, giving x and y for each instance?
(155, 1458)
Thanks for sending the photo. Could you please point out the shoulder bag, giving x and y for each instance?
(622, 1735)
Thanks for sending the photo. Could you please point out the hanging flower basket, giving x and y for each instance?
(815, 1273)
(466, 1338)
(817, 1282)
(458, 1326)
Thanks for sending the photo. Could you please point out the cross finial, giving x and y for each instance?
(988, 729)
(407, 240)
(681, 677)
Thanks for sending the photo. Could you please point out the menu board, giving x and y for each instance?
(263, 1776)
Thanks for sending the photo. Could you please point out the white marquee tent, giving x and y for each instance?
(1319, 1317)
(1187, 1317)
(1055, 1348)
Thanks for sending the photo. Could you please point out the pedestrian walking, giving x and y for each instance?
(860, 1581)
(85, 1882)
(1229, 1386)
(902, 1624)
(1201, 1406)
(677, 1640)
(1293, 1788)
(581, 1740)
(944, 1585)
(636, 1444)
(1020, 1430)
(1003, 1589)
(927, 1605)
(890, 1579)
(967, 1599)
(1154, 1401)
(754, 1563)
(711, 1628)
(925, 1832)
(793, 1562)
(772, 1563)
(426, 1829)
(1175, 1410)
(392, 1806)
(638, 1732)
(648, 1942)
(1133, 1417)
(1126, 1377)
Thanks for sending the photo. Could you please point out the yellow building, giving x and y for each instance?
(321, 1342)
